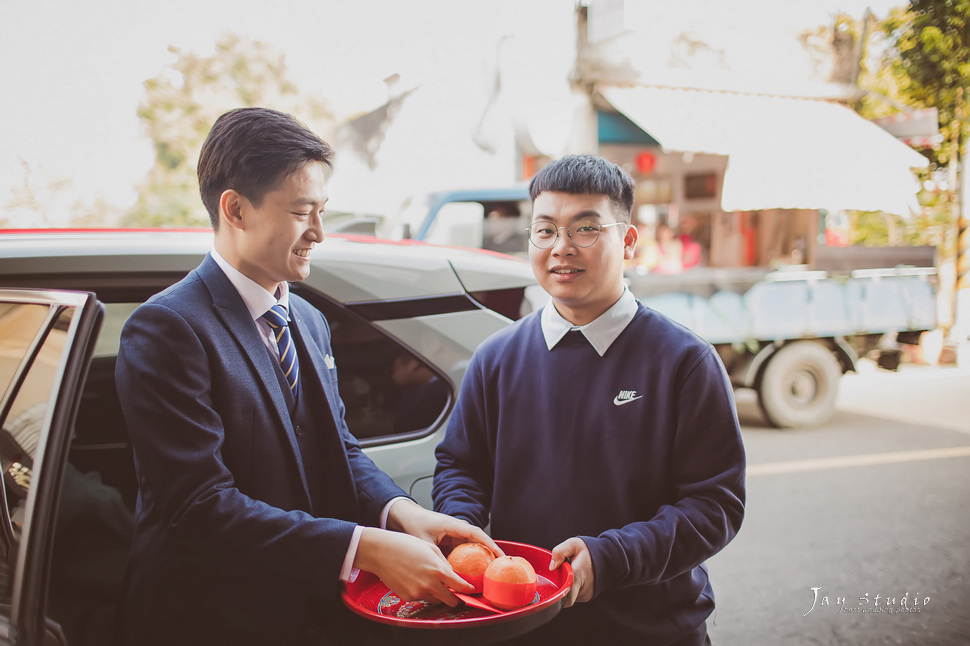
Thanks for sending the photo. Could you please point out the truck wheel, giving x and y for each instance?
(799, 385)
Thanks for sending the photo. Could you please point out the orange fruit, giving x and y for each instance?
(510, 582)
(469, 561)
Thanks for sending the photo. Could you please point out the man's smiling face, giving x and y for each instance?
(582, 281)
(279, 234)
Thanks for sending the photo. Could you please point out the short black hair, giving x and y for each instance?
(587, 174)
(252, 150)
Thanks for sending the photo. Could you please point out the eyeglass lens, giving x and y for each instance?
(583, 233)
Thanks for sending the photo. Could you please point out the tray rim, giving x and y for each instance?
(554, 600)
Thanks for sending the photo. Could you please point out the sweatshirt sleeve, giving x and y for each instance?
(463, 477)
(706, 498)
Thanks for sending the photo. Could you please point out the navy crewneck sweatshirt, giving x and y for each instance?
(638, 452)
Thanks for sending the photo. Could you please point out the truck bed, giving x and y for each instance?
(731, 306)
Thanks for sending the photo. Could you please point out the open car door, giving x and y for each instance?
(46, 341)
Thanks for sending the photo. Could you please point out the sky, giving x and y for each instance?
(72, 73)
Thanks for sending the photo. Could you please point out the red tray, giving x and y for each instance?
(422, 622)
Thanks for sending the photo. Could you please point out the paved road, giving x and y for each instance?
(876, 502)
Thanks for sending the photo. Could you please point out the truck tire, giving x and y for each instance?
(799, 385)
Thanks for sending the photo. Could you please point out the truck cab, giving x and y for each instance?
(491, 219)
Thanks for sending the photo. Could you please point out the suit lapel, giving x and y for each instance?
(230, 309)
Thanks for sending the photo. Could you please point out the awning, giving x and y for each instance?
(783, 153)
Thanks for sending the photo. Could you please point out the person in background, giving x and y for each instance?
(669, 252)
(599, 429)
(692, 253)
(254, 500)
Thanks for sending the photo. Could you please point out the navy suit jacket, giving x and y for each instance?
(226, 547)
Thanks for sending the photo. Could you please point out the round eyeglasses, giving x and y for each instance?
(584, 233)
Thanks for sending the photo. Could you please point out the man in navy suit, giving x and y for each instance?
(254, 500)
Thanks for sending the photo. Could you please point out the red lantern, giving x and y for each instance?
(646, 163)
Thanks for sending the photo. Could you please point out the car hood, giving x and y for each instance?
(362, 270)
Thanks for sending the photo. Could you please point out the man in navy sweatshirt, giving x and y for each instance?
(599, 429)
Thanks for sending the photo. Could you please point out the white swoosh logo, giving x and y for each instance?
(619, 402)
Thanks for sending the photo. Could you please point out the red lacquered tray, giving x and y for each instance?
(424, 622)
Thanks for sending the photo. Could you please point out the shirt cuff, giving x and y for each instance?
(387, 510)
(348, 573)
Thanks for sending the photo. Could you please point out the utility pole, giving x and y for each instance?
(958, 180)
(962, 203)
(960, 333)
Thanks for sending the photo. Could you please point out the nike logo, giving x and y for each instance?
(625, 397)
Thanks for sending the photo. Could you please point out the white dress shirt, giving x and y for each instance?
(601, 332)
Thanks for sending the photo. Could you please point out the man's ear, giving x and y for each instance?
(630, 242)
(231, 208)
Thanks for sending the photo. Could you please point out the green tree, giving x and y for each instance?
(930, 56)
(918, 57)
(931, 44)
(180, 106)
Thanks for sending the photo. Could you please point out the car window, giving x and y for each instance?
(19, 325)
(495, 226)
(389, 392)
(28, 393)
(504, 227)
(33, 343)
(459, 224)
(34, 340)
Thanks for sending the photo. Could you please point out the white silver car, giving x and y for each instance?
(405, 318)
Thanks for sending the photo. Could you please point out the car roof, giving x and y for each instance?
(348, 268)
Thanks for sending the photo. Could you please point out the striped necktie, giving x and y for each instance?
(276, 318)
